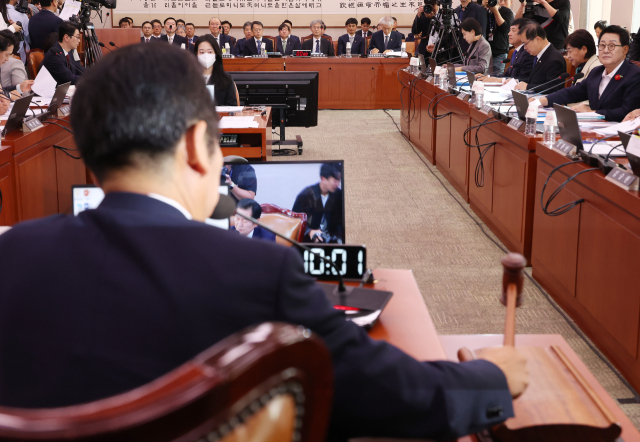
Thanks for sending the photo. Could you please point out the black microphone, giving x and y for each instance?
(114, 45)
(564, 76)
(575, 77)
(103, 46)
(464, 54)
(506, 60)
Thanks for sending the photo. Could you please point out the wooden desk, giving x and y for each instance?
(120, 37)
(343, 83)
(255, 141)
(587, 259)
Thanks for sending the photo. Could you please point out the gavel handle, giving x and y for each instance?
(510, 322)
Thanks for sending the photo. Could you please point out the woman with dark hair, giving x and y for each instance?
(13, 76)
(581, 52)
(210, 57)
(5, 23)
(479, 48)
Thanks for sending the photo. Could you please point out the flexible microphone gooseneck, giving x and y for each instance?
(564, 76)
(575, 77)
(102, 45)
(114, 45)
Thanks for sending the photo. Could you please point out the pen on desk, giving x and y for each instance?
(365, 278)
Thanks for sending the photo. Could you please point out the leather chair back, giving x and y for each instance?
(284, 221)
(267, 383)
(34, 60)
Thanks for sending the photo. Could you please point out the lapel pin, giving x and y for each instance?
(618, 77)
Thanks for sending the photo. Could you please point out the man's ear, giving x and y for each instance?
(196, 147)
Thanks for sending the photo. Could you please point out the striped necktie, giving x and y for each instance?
(318, 46)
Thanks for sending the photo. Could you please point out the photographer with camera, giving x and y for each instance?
(423, 22)
(471, 9)
(552, 15)
(44, 23)
(17, 11)
(500, 18)
(241, 179)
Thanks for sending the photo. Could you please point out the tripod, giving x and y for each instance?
(92, 51)
(446, 24)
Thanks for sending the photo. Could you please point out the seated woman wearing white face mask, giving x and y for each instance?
(210, 57)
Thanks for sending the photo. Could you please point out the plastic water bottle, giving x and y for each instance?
(261, 48)
(531, 120)
(478, 89)
(550, 123)
(348, 49)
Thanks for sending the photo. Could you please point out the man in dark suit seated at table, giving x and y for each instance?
(357, 43)
(613, 89)
(521, 61)
(191, 37)
(317, 44)
(238, 48)
(246, 228)
(284, 43)
(157, 29)
(395, 27)
(147, 32)
(386, 39)
(251, 45)
(293, 37)
(548, 63)
(59, 60)
(118, 296)
(170, 28)
(215, 27)
(364, 31)
(44, 23)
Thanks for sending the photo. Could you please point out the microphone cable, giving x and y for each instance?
(565, 207)
(439, 97)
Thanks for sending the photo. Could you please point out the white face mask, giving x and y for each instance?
(207, 60)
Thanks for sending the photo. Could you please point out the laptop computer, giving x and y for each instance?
(18, 112)
(432, 65)
(634, 160)
(58, 98)
(521, 102)
(451, 70)
(568, 125)
(471, 77)
(423, 66)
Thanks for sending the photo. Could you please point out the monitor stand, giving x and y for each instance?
(282, 141)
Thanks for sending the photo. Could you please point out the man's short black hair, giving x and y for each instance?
(533, 30)
(351, 21)
(66, 28)
(620, 31)
(288, 21)
(580, 39)
(45, 3)
(329, 170)
(137, 116)
(283, 25)
(226, 22)
(365, 21)
(169, 18)
(520, 22)
(190, 24)
(394, 19)
(123, 20)
(248, 203)
(130, 20)
(145, 22)
(471, 24)
(256, 23)
(180, 21)
(155, 20)
(600, 24)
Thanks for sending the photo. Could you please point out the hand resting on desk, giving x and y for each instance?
(513, 365)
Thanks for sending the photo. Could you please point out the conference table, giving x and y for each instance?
(407, 324)
(343, 83)
(585, 259)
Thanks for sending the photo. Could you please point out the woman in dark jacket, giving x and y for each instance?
(210, 57)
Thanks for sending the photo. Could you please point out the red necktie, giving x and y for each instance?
(68, 61)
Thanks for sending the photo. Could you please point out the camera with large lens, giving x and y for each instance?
(86, 8)
(492, 3)
(22, 6)
(529, 9)
(429, 6)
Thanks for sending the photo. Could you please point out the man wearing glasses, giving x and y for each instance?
(613, 89)
(60, 61)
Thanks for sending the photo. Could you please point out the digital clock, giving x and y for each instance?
(350, 261)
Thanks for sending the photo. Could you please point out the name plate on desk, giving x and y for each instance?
(64, 111)
(486, 109)
(31, 125)
(565, 147)
(624, 179)
(515, 123)
(463, 96)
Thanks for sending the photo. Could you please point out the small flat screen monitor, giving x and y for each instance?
(568, 125)
(289, 192)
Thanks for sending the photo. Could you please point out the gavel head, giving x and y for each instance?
(513, 264)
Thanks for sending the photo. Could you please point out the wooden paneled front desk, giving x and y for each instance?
(343, 83)
(255, 142)
(406, 323)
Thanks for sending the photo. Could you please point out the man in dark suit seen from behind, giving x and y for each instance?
(317, 44)
(365, 24)
(59, 60)
(147, 32)
(246, 228)
(548, 63)
(469, 8)
(183, 285)
(613, 89)
(422, 24)
(251, 45)
(356, 43)
(190, 28)
(170, 28)
(521, 61)
(224, 41)
(238, 49)
(44, 23)
(284, 43)
(385, 40)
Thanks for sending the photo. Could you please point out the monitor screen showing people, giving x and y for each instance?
(307, 190)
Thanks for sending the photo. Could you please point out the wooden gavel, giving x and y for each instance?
(512, 282)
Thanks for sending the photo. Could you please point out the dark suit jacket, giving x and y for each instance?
(551, 65)
(618, 99)
(356, 48)
(192, 46)
(521, 68)
(224, 39)
(251, 47)
(368, 33)
(377, 41)
(634, 50)
(150, 289)
(401, 35)
(259, 233)
(41, 25)
(292, 45)
(326, 47)
(177, 40)
(225, 96)
(309, 201)
(61, 70)
(238, 48)
(473, 10)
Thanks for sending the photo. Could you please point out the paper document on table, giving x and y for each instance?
(589, 116)
(604, 147)
(620, 127)
(6, 116)
(44, 84)
(70, 8)
(237, 122)
(229, 108)
(588, 125)
(494, 97)
(508, 86)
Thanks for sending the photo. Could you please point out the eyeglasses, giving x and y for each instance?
(611, 47)
(524, 44)
(76, 36)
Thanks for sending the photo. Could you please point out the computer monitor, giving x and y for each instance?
(568, 125)
(58, 99)
(294, 188)
(17, 114)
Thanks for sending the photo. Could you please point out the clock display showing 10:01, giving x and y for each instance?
(350, 261)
